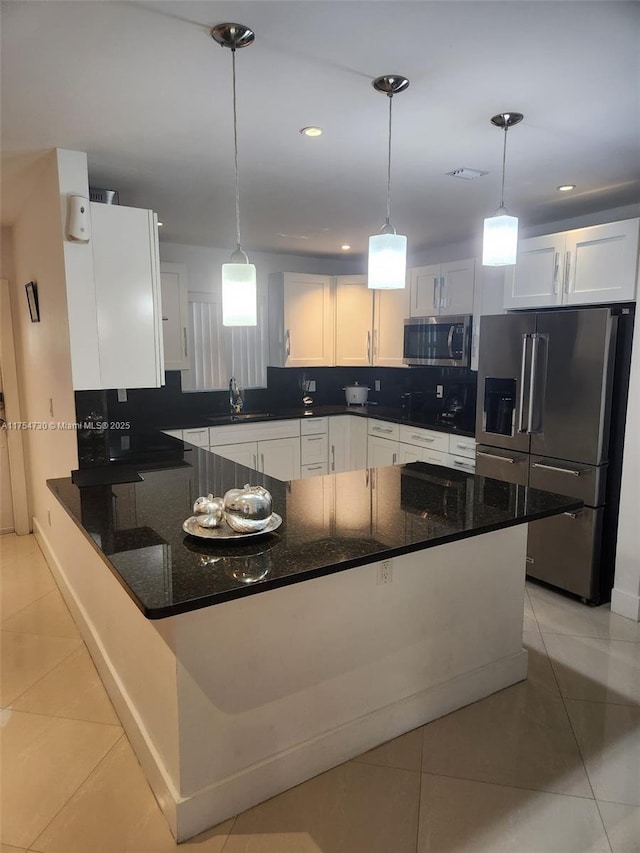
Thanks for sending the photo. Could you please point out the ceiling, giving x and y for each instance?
(143, 89)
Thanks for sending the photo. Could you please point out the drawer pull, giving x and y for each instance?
(314, 467)
(463, 464)
(572, 515)
(554, 468)
(316, 438)
(508, 459)
(464, 446)
(423, 438)
(380, 429)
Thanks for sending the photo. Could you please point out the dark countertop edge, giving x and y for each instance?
(321, 571)
(321, 412)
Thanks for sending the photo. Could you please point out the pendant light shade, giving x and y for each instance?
(387, 267)
(500, 237)
(239, 292)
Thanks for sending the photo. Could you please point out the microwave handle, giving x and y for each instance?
(450, 340)
(435, 291)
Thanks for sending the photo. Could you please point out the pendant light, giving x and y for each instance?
(239, 298)
(387, 268)
(500, 238)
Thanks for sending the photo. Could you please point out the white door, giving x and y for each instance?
(457, 289)
(424, 287)
(6, 500)
(244, 454)
(354, 321)
(382, 452)
(602, 263)
(173, 282)
(389, 312)
(308, 320)
(280, 458)
(536, 279)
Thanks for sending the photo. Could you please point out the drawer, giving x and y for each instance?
(460, 463)
(460, 445)
(314, 470)
(242, 433)
(199, 436)
(425, 438)
(313, 426)
(314, 449)
(435, 457)
(383, 429)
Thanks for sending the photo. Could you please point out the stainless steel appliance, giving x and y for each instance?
(546, 383)
(438, 341)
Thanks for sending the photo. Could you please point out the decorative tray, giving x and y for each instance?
(224, 533)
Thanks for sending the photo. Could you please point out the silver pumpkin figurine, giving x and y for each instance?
(247, 510)
(209, 511)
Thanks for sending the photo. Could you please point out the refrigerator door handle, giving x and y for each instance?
(523, 372)
(535, 341)
(555, 468)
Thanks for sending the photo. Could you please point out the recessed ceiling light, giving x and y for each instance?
(565, 188)
(345, 247)
(311, 131)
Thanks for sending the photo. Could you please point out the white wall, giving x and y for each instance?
(42, 349)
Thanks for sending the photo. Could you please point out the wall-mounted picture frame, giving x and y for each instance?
(32, 300)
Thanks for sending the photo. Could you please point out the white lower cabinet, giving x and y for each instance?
(272, 448)
(410, 453)
(280, 458)
(243, 454)
(198, 436)
(314, 470)
(382, 452)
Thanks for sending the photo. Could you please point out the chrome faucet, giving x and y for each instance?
(236, 400)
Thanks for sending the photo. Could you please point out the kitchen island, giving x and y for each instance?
(387, 598)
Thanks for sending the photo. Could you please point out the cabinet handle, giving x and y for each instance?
(567, 266)
(184, 338)
(435, 287)
(255, 461)
(288, 343)
(375, 344)
(465, 446)
(555, 273)
(380, 429)
(573, 515)
(423, 438)
(262, 462)
(333, 457)
(369, 347)
(554, 468)
(508, 459)
(314, 438)
(444, 300)
(463, 464)
(165, 319)
(314, 467)
(395, 458)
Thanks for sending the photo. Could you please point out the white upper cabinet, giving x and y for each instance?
(174, 288)
(442, 289)
(488, 298)
(369, 323)
(124, 243)
(354, 321)
(579, 267)
(301, 320)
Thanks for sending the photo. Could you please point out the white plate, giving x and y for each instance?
(224, 532)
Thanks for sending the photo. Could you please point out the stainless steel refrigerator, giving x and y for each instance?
(549, 385)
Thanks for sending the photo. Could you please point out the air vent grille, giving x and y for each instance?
(467, 174)
(104, 196)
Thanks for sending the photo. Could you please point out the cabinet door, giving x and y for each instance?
(314, 449)
(535, 280)
(127, 279)
(173, 281)
(358, 459)
(390, 309)
(198, 436)
(243, 454)
(354, 321)
(308, 320)
(407, 453)
(488, 298)
(382, 452)
(280, 458)
(601, 263)
(424, 289)
(457, 289)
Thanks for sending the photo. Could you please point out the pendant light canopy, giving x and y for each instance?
(500, 238)
(387, 268)
(239, 297)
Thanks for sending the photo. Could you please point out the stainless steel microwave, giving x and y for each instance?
(438, 341)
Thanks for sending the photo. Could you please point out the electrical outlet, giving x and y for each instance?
(312, 385)
(122, 395)
(439, 391)
(376, 385)
(385, 572)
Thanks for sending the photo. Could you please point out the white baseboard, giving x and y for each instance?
(256, 784)
(625, 604)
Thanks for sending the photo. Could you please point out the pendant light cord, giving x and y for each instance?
(389, 166)
(235, 146)
(504, 160)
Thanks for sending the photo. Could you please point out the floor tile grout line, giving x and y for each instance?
(591, 637)
(40, 634)
(30, 604)
(509, 785)
(235, 818)
(117, 725)
(357, 760)
(48, 672)
(74, 792)
(577, 743)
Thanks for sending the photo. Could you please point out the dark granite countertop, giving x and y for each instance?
(330, 523)
(383, 413)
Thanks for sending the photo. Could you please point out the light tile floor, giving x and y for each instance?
(551, 765)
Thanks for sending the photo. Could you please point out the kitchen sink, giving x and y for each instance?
(239, 418)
